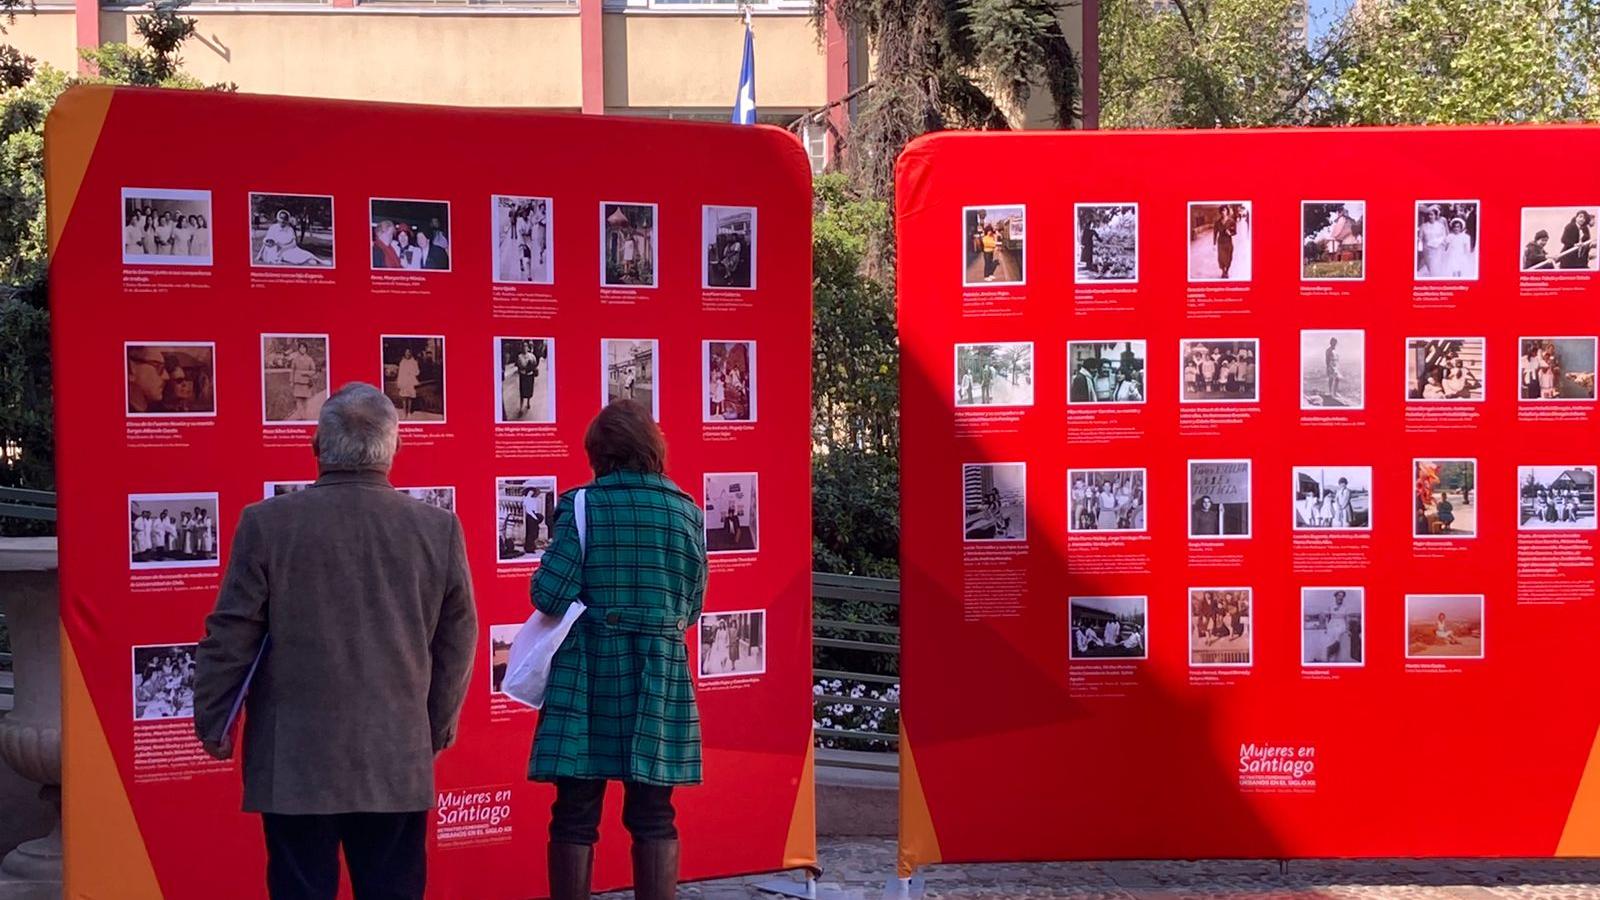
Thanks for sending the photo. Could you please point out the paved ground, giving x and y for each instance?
(857, 869)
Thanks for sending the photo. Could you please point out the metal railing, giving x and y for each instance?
(20, 503)
(856, 641)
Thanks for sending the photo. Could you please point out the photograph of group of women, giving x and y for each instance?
(1107, 243)
(994, 374)
(413, 376)
(1556, 498)
(1331, 369)
(523, 241)
(410, 234)
(166, 227)
(1443, 490)
(994, 255)
(1332, 498)
(1106, 372)
(294, 378)
(1556, 368)
(994, 501)
(1444, 625)
(163, 682)
(1333, 240)
(1219, 370)
(525, 509)
(730, 381)
(1447, 240)
(525, 373)
(1331, 632)
(172, 531)
(171, 380)
(732, 512)
(1219, 498)
(1219, 627)
(1108, 628)
(291, 231)
(1445, 369)
(1106, 501)
(1558, 239)
(733, 643)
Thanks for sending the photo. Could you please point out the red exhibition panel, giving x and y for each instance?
(501, 275)
(1248, 496)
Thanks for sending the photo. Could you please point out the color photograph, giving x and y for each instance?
(994, 238)
(1219, 498)
(524, 513)
(525, 380)
(291, 231)
(163, 682)
(1105, 372)
(628, 245)
(1559, 239)
(994, 500)
(1106, 501)
(1332, 498)
(1332, 363)
(410, 234)
(1556, 368)
(171, 380)
(732, 512)
(1219, 627)
(728, 234)
(172, 531)
(730, 381)
(294, 378)
(163, 227)
(628, 370)
(524, 251)
(1449, 369)
(1556, 498)
(1220, 241)
(413, 376)
(1443, 490)
(994, 374)
(1219, 370)
(1331, 632)
(1108, 628)
(1444, 625)
(733, 643)
(1447, 240)
(1333, 244)
(1107, 243)
(500, 638)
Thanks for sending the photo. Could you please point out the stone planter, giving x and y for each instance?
(30, 735)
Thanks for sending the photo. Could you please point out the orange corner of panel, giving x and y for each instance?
(71, 132)
(105, 854)
(1581, 836)
(919, 844)
(800, 848)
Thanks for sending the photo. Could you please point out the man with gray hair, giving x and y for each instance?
(367, 599)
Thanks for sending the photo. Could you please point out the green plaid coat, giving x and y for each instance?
(620, 703)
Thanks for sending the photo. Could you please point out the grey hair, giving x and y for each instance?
(357, 429)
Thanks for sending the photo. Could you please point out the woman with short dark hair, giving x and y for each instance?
(620, 703)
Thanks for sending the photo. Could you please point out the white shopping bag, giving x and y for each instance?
(534, 648)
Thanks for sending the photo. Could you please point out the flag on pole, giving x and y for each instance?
(744, 103)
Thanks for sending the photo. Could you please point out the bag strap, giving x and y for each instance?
(580, 513)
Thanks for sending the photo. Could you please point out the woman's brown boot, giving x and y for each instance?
(571, 866)
(655, 870)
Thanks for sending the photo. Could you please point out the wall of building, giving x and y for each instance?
(675, 60)
(49, 35)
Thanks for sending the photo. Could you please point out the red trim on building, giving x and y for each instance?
(592, 55)
(87, 17)
(836, 47)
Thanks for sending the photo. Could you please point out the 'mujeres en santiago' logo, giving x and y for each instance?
(1277, 766)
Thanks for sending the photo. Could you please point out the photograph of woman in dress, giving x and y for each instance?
(291, 231)
(1220, 241)
(413, 376)
(294, 377)
(525, 373)
(1447, 240)
(994, 237)
(522, 243)
(733, 643)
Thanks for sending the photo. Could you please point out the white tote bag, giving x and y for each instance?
(534, 648)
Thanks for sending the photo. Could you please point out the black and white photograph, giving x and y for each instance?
(1332, 367)
(1332, 631)
(1219, 370)
(994, 236)
(164, 227)
(294, 378)
(1106, 501)
(733, 643)
(500, 638)
(525, 380)
(291, 231)
(1220, 632)
(1333, 240)
(1106, 242)
(438, 497)
(728, 236)
(729, 369)
(732, 512)
(1219, 498)
(413, 376)
(1445, 369)
(1447, 240)
(994, 501)
(270, 489)
(629, 370)
(1105, 372)
(524, 239)
(1559, 239)
(412, 235)
(1444, 503)
(171, 379)
(629, 245)
(1332, 498)
(1556, 368)
(172, 531)
(994, 374)
(1108, 628)
(1556, 498)
(525, 510)
(163, 681)
(1220, 241)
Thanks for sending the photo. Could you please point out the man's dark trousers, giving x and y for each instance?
(387, 854)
